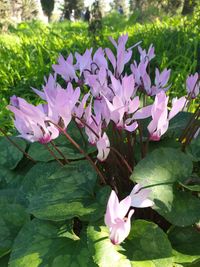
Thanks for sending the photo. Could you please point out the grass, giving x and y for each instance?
(28, 51)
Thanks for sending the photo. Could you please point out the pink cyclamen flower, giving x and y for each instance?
(192, 85)
(115, 218)
(160, 116)
(146, 56)
(123, 55)
(103, 146)
(139, 197)
(84, 61)
(66, 68)
(31, 123)
(138, 72)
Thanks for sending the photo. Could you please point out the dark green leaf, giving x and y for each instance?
(168, 167)
(4, 261)
(41, 243)
(193, 150)
(147, 245)
(40, 153)
(13, 217)
(10, 156)
(195, 187)
(65, 193)
(186, 244)
(178, 124)
(34, 179)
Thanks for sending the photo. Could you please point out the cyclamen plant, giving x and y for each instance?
(111, 99)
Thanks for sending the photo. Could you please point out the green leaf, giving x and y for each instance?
(167, 167)
(147, 246)
(6, 175)
(104, 253)
(40, 153)
(12, 178)
(10, 156)
(13, 217)
(186, 244)
(194, 187)
(193, 150)
(165, 142)
(8, 196)
(4, 261)
(65, 193)
(34, 179)
(178, 123)
(41, 243)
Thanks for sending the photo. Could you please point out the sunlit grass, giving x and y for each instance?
(27, 53)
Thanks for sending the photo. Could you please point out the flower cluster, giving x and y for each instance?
(112, 97)
(120, 93)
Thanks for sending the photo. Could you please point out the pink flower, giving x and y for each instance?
(66, 68)
(146, 56)
(161, 80)
(99, 58)
(138, 72)
(123, 55)
(193, 85)
(31, 123)
(14, 101)
(103, 146)
(60, 102)
(78, 111)
(147, 83)
(84, 61)
(98, 82)
(139, 197)
(119, 225)
(61, 105)
(160, 117)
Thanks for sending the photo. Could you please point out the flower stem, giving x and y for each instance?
(152, 185)
(17, 146)
(88, 126)
(122, 158)
(141, 142)
(59, 151)
(73, 142)
(53, 155)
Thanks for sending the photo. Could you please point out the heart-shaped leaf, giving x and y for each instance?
(193, 150)
(65, 193)
(10, 156)
(186, 244)
(148, 246)
(40, 152)
(41, 243)
(13, 217)
(166, 167)
(102, 250)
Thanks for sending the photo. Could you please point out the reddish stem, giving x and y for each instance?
(88, 126)
(17, 146)
(141, 142)
(122, 158)
(59, 151)
(53, 155)
(73, 142)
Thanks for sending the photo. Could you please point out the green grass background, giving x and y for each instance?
(28, 51)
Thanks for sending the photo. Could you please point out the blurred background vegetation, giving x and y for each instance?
(34, 33)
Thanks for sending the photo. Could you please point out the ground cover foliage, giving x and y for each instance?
(28, 51)
(54, 190)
